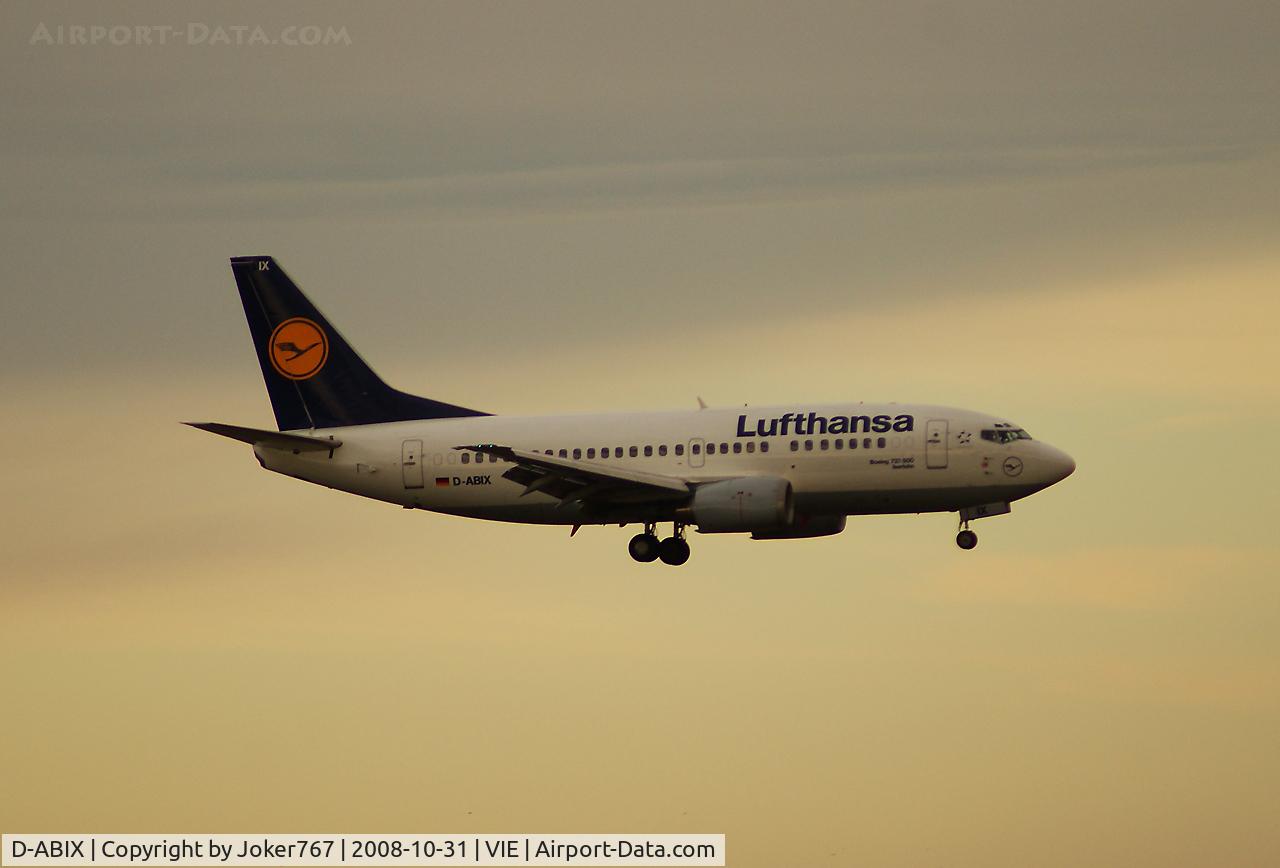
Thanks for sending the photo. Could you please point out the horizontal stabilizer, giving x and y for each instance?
(270, 439)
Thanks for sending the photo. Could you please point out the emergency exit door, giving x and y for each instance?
(411, 463)
(935, 444)
(696, 458)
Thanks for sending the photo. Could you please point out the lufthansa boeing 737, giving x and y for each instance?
(790, 472)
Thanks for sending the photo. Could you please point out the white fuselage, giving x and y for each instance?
(898, 458)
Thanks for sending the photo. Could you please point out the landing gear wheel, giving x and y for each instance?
(966, 539)
(644, 547)
(674, 551)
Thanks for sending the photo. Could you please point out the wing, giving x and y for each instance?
(583, 481)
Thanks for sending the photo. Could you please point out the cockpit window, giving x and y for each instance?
(1005, 435)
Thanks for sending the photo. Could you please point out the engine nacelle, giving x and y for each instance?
(805, 527)
(746, 504)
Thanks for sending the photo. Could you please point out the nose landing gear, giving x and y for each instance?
(645, 548)
(966, 538)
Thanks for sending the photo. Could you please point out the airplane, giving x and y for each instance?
(789, 472)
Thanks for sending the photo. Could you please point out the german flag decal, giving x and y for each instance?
(442, 482)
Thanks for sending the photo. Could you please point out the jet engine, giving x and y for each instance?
(804, 527)
(749, 503)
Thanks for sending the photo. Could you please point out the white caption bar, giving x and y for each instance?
(326, 850)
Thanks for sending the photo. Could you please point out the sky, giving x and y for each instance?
(1062, 213)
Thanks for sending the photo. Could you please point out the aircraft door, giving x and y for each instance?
(697, 452)
(935, 444)
(411, 463)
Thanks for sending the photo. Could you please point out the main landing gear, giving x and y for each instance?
(966, 538)
(646, 548)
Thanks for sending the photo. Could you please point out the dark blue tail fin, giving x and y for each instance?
(314, 378)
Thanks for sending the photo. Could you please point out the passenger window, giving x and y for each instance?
(808, 446)
(737, 447)
(751, 446)
(466, 457)
(866, 442)
(679, 448)
(823, 445)
(648, 451)
(838, 443)
(563, 454)
(880, 443)
(577, 453)
(795, 444)
(633, 452)
(662, 450)
(697, 449)
(724, 448)
(764, 446)
(591, 453)
(617, 452)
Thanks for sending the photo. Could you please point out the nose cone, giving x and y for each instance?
(1060, 465)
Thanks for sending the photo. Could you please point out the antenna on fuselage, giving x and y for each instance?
(702, 405)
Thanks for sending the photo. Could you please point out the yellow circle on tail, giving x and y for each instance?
(298, 348)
